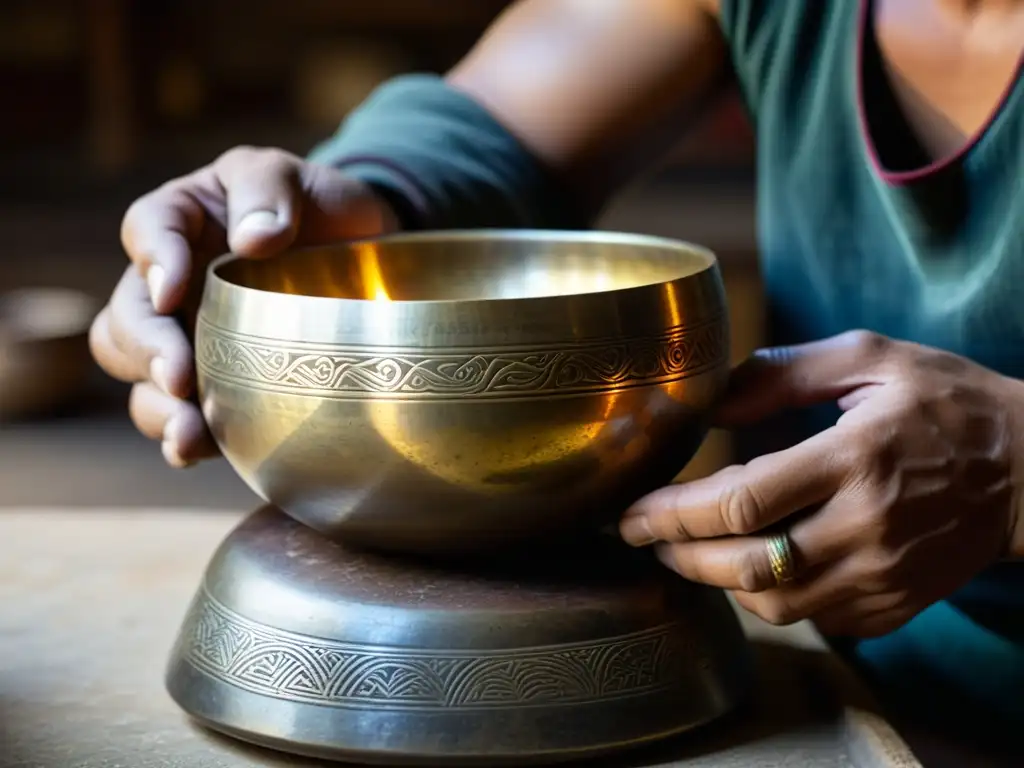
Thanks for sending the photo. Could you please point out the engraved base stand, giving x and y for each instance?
(302, 645)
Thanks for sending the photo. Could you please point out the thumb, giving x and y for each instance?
(263, 197)
(341, 207)
(261, 232)
(780, 378)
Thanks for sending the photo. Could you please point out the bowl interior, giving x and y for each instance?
(460, 266)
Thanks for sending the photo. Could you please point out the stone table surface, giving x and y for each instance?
(90, 601)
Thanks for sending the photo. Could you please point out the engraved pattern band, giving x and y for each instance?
(359, 372)
(283, 665)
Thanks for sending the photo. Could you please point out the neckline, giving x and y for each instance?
(866, 18)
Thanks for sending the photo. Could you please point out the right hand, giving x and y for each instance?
(253, 202)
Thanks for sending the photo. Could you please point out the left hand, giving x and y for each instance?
(913, 492)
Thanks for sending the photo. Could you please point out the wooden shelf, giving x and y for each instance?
(248, 53)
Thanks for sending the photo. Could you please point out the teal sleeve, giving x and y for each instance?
(444, 162)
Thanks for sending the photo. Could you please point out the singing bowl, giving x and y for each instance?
(457, 391)
(308, 646)
(44, 350)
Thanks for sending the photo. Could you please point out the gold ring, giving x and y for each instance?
(780, 555)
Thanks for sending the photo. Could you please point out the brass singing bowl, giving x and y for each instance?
(453, 391)
(44, 350)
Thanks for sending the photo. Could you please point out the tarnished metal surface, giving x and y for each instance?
(90, 603)
(444, 392)
(567, 651)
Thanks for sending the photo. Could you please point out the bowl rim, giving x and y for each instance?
(610, 237)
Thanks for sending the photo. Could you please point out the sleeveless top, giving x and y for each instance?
(858, 229)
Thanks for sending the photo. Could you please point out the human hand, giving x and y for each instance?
(913, 492)
(255, 202)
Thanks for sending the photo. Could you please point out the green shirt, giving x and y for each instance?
(858, 229)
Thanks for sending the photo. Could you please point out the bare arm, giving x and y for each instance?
(594, 89)
(597, 89)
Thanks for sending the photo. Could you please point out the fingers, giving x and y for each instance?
(743, 562)
(274, 200)
(834, 596)
(740, 500)
(177, 424)
(250, 200)
(134, 344)
(782, 607)
(828, 589)
(263, 199)
(158, 233)
(836, 612)
(253, 194)
(101, 344)
(780, 378)
(735, 563)
(870, 616)
(131, 342)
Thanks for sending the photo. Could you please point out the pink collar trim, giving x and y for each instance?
(916, 174)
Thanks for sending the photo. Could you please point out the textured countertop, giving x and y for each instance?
(90, 602)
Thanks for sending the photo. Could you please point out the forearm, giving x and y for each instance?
(556, 107)
(444, 162)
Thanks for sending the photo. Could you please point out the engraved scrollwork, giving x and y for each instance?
(283, 665)
(368, 372)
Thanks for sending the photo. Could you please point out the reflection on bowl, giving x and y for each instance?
(446, 392)
(44, 349)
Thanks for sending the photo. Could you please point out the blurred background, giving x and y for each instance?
(102, 100)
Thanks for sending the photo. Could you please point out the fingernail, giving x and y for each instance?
(256, 225)
(155, 278)
(158, 374)
(636, 531)
(171, 455)
(169, 446)
(666, 556)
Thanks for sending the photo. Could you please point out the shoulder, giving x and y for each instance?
(747, 23)
(773, 42)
